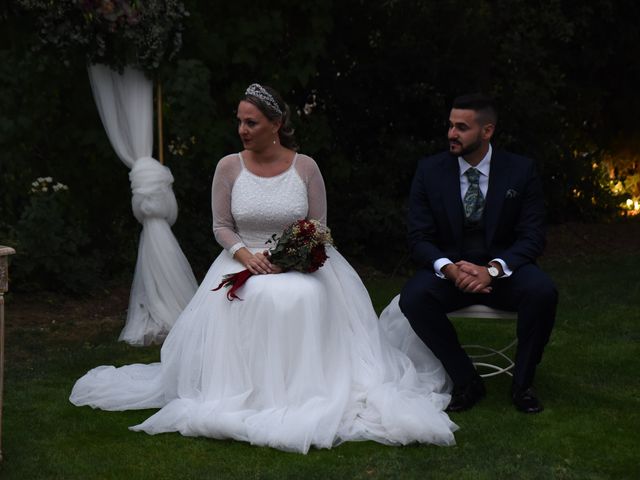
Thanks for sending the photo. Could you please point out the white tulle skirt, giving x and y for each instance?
(300, 362)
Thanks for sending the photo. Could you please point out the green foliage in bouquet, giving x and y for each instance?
(114, 32)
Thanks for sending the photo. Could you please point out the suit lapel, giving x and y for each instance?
(452, 197)
(498, 182)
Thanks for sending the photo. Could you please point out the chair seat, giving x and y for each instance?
(482, 311)
(486, 355)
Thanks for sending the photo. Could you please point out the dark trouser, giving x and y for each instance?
(426, 299)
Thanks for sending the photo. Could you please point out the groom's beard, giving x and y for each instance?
(469, 148)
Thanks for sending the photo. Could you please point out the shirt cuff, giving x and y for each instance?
(438, 264)
(506, 270)
(234, 248)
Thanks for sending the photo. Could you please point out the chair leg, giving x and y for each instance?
(506, 362)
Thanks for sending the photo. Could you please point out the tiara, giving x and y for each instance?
(258, 91)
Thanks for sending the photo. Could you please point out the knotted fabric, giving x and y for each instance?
(473, 200)
(163, 282)
(152, 193)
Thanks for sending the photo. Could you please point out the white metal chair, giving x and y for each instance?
(486, 355)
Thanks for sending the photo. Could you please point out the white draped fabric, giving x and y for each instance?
(163, 281)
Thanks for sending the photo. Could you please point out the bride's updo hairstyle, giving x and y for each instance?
(271, 104)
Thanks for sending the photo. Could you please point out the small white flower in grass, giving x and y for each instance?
(48, 179)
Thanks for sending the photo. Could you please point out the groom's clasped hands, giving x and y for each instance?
(468, 277)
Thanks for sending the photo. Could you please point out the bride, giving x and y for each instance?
(301, 361)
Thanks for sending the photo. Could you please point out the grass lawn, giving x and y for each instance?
(588, 382)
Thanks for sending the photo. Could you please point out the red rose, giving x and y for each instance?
(318, 257)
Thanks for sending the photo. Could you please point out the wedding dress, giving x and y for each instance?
(299, 362)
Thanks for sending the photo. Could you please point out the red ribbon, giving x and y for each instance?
(235, 281)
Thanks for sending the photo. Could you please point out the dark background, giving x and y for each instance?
(377, 78)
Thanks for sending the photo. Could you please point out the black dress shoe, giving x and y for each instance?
(466, 396)
(525, 399)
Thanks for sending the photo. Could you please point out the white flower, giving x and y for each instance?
(59, 186)
(48, 179)
(34, 184)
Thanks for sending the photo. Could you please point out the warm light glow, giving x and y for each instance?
(617, 187)
(631, 206)
(621, 176)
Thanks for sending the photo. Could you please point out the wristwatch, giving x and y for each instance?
(493, 271)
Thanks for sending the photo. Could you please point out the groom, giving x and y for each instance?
(476, 228)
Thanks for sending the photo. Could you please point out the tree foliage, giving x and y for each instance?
(113, 32)
(370, 83)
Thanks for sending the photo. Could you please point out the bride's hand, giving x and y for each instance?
(258, 263)
(272, 268)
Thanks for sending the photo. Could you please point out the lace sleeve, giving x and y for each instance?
(224, 228)
(308, 170)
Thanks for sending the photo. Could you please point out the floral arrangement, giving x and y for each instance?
(140, 33)
(301, 247)
(52, 242)
(45, 185)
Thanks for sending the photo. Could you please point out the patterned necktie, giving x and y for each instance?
(473, 199)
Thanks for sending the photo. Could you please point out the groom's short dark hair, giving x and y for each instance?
(482, 104)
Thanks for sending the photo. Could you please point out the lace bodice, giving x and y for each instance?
(249, 209)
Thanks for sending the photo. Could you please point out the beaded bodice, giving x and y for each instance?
(262, 206)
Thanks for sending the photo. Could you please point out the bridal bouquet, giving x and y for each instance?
(301, 247)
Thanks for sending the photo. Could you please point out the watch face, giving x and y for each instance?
(493, 271)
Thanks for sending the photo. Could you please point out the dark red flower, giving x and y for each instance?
(318, 257)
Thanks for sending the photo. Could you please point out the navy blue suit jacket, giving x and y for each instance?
(514, 210)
